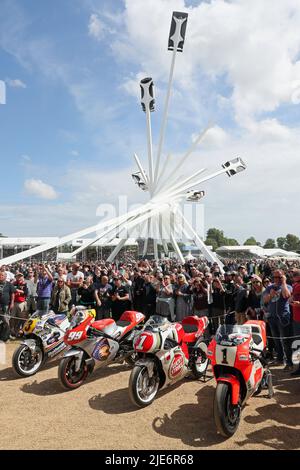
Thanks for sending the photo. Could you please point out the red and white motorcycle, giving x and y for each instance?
(97, 343)
(167, 352)
(237, 355)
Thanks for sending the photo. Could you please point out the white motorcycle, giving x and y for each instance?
(43, 341)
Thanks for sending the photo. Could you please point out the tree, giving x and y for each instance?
(216, 235)
(232, 242)
(212, 242)
(251, 241)
(270, 243)
(281, 241)
(292, 243)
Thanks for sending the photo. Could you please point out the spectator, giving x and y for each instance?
(240, 300)
(31, 282)
(138, 291)
(120, 299)
(103, 292)
(7, 296)
(61, 296)
(218, 305)
(60, 274)
(20, 306)
(199, 297)
(255, 300)
(10, 277)
(44, 288)
(182, 298)
(165, 304)
(277, 297)
(86, 293)
(74, 281)
(149, 296)
(295, 303)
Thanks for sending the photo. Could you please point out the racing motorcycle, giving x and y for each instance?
(238, 358)
(95, 344)
(43, 340)
(167, 352)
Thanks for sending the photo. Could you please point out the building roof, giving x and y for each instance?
(259, 251)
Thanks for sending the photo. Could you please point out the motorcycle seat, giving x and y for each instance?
(122, 323)
(188, 328)
(190, 331)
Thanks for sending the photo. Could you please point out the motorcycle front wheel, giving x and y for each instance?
(25, 362)
(69, 377)
(142, 388)
(226, 415)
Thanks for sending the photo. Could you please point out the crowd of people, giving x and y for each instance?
(256, 289)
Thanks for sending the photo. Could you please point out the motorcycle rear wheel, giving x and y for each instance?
(200, 365)
(68, 376)
(226, 415)
(142, 388)
(25, 363)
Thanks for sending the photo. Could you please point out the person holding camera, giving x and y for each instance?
(165, 304)
(182, 298)
(199, 297)
(44, 288)
(276, 296)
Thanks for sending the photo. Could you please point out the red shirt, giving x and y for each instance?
(296, 297)
(19, 298)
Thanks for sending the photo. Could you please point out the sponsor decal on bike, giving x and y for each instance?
(138, 316)
(176, 366)
(57, 349)
(101, 350)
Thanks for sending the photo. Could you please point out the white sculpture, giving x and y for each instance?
(162, 215)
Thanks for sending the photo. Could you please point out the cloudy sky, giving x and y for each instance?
(72, 117)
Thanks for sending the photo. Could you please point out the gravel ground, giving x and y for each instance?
(38, 414)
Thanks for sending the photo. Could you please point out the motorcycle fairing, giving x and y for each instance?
(235, 387)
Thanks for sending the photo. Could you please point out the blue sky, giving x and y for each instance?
(72, 119)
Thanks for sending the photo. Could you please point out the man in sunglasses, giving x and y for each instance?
(276, 296)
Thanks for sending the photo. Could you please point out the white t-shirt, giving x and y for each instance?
(9, 276)
(75, 277)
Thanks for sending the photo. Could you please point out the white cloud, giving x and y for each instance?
(253, 47)
(74, 153)
(215, 137)
(96, 27)
(40, 189)
(25, 159)
(15, 83)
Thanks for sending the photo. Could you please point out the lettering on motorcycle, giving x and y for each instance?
(224, 351)
(75, 335)
(56, 350)
(138, 317)
(140, 342)
(176, 366)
